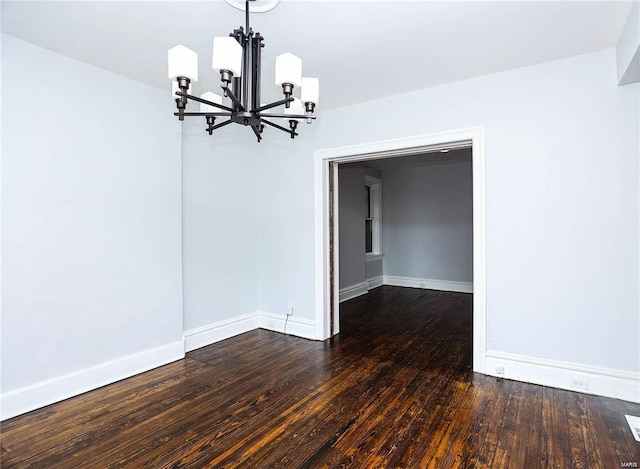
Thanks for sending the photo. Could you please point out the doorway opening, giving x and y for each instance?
(326, 221)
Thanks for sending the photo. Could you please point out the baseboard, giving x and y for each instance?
(375, 282)
(221, 330)
(41, 394)
(295, 326)
(212, 333)
(429, 284)
(353, 291)
(565, 375)
(47, 392)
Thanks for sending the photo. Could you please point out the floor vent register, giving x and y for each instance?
(634, 424)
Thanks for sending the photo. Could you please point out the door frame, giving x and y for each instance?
(326, 230)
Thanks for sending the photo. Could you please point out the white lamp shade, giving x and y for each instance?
(288, 69)
(183, 62)
(295, 108)
(214, 98)
(227, 55)
(310, 90)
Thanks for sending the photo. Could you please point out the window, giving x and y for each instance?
(373, 218)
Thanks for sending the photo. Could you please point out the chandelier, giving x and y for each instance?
(237, 59)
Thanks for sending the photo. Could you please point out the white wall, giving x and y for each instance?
(285, 211)
(91, 213)
(220, 223)
(351, 213)
(91, 239)
(628, 48)
(428, 222)
(562, 201)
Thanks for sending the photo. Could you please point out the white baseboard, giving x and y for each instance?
(212, 333)
(295, 326)
(428, 283)
(215, 332)
(47, 392)
(38, 395)
(353, 291)
(375, 282)
(359, 289)
(564, 375)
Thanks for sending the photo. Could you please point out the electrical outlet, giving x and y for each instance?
(578, 383)
(500, 370)
(422, 284)
(290, 311)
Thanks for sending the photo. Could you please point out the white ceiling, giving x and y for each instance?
(360, 50)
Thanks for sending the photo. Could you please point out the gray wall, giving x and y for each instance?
(84, 214)
(354, 267)
(220, 224)
(558, 197)
(285, 214)
(91, 237)
(428, 222)
(374, 268)
(351, 205)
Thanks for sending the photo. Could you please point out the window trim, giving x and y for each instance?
(375, 199)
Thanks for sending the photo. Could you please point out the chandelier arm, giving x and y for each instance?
(288, 116)
(284, 129)
(274, 104)
(235, 100)
(257, 132)
(221, 124)
(204, 114)
(204, 101)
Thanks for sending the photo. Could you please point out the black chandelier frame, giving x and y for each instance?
(244, 92)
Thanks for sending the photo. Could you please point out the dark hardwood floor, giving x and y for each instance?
(394, 390)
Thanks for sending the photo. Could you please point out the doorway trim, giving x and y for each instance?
(326, 292)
